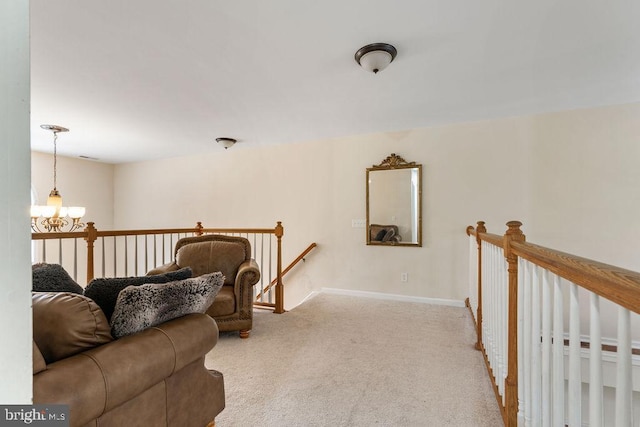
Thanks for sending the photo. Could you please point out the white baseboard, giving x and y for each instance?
(390, 297)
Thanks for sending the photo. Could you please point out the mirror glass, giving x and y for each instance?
(394, 216)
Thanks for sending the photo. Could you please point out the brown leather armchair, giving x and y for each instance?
(233, 307)
(384, 233)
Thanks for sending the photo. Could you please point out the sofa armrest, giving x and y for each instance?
(39, 363)
(165, 268)
(98, 380)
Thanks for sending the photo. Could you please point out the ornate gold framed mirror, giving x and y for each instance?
(394, 203)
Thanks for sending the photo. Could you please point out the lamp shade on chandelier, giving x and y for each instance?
(53, 216)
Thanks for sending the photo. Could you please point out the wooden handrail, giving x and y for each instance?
(481, 233)
(115, 233)
(613, 283)
(616, 284)
(61, 235)
(286, 270)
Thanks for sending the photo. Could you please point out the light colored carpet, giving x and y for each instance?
(350, 361)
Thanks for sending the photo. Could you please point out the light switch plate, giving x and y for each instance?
(358, 223)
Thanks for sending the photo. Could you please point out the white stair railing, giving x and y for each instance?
(559, 300)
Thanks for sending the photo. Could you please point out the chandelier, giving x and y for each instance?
(53, 216)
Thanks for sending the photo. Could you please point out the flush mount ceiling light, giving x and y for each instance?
(376, 56)
(226, 142)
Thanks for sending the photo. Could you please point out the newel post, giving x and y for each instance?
(279, 232)
(199, 229)
(513, 234)
(479, 229)
(92, 236)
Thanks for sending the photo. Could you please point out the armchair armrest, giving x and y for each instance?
(165, 268)
(248, 274)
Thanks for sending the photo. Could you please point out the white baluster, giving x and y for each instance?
(527, 344)
(496, 321)
(521, 402)
(575, 376)
(545, 391)
(488, 303)
(486, 300)
(505, 317)
(596, 399)
(558, 354)
(624, 394)
(473, 275)
(502, 324)
(536, 370)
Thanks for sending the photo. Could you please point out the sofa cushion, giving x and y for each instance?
(143, 306)
(66, 323)
(210, 256)
(105, 291)
(52, 278)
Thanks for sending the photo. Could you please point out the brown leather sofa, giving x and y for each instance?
(155, 377)
(233, 307)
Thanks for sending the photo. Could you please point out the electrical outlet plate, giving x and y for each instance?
(404, 277)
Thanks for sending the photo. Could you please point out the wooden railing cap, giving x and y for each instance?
(514, 224)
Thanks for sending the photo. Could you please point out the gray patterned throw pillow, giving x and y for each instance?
(144, 306)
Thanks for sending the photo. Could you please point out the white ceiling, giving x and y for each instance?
(145, 79)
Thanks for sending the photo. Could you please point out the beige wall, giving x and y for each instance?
(586, 195)
(317, 188)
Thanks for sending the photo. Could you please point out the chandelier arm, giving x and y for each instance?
(34, 225)
(76, 224)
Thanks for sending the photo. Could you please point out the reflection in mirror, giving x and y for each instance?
(394, 214)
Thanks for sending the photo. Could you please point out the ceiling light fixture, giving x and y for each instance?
(53, 214)
(376, 56)
(226, 142)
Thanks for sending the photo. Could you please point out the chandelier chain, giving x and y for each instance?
(55, 160)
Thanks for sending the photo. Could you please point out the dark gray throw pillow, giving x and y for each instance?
(53, 278)
(105, 291)
(144, 306)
